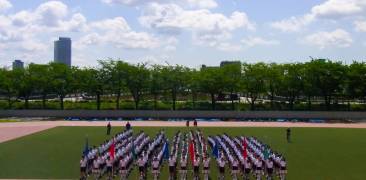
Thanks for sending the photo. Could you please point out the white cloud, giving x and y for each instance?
(258, 41)
(330, 9)
(207, 28)
(199, 4)
(202, 3)
(117, 32)
(51, 13)
(323, 39)
(360, 26)
(229, 47)
(4, 5)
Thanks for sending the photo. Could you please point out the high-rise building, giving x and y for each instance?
(62, 51)
(18, 64)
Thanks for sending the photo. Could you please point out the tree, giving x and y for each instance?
(92, 81)
(174, 79)
(253, 82)
(7, 86)
(62, 80)
(328, 78)
(355, 85)
(193, 85)
(292, 83)
(232, 75)
(115, 73)
(40, 77)
(211, 81)
(23, 84)
(273, 75)
(137, 79)
(156, 83)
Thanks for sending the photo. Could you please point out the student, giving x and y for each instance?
(221, 163)
(141, 164)
(283, 169)
(155, 167)
(196, 167)
(172, 163)
(183, 167)
(109, 167)
(288, 135)
(247, 169)
(206, 167)
(83, 163)
(269, 168)
(235, 168)
(258, 168)
(195, 123)
(123, 168)
(96, 166)
(109, 128)
(187, 123)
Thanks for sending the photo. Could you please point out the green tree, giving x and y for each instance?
(292, 83)
(62, 81)
(174, 79)
(253, 82)
(211, 81)
(7, 86)
(273, 77)
(23, 84)
(137, 80)
(356, 81)
(328, 78)
(232, 76)
(40, 78)
(156, 83)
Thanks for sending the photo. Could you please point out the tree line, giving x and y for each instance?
(318, 81)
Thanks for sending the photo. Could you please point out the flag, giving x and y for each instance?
(266, 153)
(215, 151)
(133, 150)
(111, 150)
(191, 151)
(86, 148)
(166, 150)
(245, 153)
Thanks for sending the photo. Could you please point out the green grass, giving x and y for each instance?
(315, 153)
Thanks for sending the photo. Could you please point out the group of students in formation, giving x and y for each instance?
(186, 154)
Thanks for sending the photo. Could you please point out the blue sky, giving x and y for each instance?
(188, 32)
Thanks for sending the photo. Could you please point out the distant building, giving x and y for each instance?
(18, 64)
(62, 51)
(223, 63)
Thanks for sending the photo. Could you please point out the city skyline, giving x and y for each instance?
(188, 32)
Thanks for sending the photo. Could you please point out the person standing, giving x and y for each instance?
(195, 123)
(187, 123)
(288, 135)
(109, 128)
(128, 126)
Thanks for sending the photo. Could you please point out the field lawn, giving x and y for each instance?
(314, 154)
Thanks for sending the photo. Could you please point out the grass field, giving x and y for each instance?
(316, 153)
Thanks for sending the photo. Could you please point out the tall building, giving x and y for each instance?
(18, 64)
(62, 51)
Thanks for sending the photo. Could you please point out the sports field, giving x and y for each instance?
(315, 153)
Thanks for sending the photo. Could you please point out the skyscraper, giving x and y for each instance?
(62, 51)
(18, 64)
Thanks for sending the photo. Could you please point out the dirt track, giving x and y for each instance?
(9, 131)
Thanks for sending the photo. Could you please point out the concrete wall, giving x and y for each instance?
(334, 115)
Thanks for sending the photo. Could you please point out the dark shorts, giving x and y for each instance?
(82, 169)
(171, 169)
(141, 168)
(109, 168)
(235, 167)
(283, 168)
(222, 169)
(270, 170)
(155, 169)
(206, 168)
(123, 168)
(196, 169)
(183, 168)
(247, 171)
(258, 168)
